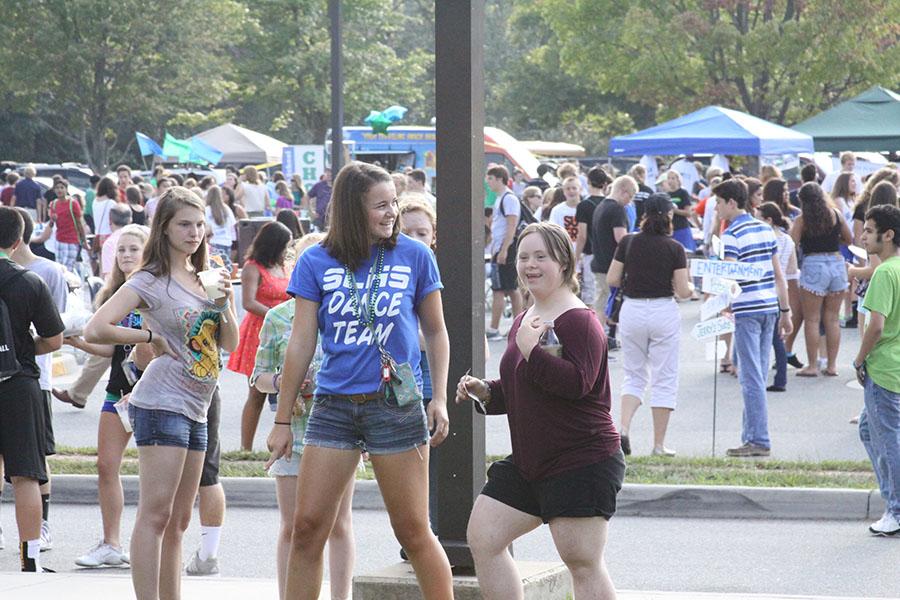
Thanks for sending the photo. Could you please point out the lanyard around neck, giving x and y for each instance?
(378, 269)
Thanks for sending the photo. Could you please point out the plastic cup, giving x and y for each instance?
(210, 279)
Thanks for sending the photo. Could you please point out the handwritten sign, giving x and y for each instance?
(714, 305)
(728, 269)
(712, 328)
(720, 285)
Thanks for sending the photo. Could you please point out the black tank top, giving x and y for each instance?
(824, 242)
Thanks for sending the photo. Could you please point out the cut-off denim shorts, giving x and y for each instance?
(823, 274)
(166, 428)
(377, 427)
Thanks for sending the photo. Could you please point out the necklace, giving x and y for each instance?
(378, 268)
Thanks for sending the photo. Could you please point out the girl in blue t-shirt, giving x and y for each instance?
(366, 289)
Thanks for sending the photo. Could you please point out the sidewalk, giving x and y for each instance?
(644, 500)
(22, 586)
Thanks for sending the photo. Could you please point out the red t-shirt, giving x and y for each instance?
(558, 408)
(7, 194)
(65, 223)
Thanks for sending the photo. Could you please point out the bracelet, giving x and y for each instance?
(784, 310)
(283, 423)
(150, 341)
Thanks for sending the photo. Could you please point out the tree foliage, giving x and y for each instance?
(83, 75)
(780, 60)
(283, 74)
(91, 72)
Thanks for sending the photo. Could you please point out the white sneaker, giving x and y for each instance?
(46, 537)
(887, 525)
(103, 555)
(195, 566)
(663, 451)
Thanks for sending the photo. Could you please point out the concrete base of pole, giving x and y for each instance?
(542, 581)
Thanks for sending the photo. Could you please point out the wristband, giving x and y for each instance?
(283, 423)
(150, 341)
(784, 310)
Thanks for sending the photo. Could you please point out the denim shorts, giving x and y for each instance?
(376, 427)
(823, 274)
(166, 428)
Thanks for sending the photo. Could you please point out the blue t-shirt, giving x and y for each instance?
(27, 193)
(352, 363)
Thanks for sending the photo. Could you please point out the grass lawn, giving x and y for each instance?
(641, 469)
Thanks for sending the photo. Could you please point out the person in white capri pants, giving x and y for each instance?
(651, 268)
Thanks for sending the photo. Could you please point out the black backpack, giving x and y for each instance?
(9, 364)
(526, 217)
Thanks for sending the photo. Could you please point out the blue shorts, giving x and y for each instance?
(166, 428)
(823, 274)
(376, 427)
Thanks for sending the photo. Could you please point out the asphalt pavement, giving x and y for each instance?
(725, 556)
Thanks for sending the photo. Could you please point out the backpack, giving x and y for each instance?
(9, 364)
(526, 217)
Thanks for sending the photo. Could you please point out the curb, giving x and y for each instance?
(635, 500)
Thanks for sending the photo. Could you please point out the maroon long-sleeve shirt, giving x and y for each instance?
(558, 408)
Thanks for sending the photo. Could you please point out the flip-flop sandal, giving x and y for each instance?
(830, 373)
(802, 374)
(726, 368)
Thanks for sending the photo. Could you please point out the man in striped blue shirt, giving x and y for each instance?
(756, 310)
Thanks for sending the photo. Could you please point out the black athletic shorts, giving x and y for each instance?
(210, 474)
(50, 448)
(588, 491)
(23, 435)
(504, 277)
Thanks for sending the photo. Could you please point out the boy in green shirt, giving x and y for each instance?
(878, 363)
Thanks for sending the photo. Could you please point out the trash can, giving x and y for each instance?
(247, 230)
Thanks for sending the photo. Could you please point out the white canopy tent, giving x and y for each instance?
(242, 146)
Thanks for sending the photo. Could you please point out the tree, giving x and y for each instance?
(780, 60)
(90, 72)
(530, 93)
(283, 68)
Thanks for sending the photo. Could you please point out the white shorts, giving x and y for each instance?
(649, 332)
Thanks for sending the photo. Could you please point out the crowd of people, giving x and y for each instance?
(343, 332)
(633, 246)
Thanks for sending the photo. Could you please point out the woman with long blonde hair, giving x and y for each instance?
(256, 196)
(112, 437)
(222, 223)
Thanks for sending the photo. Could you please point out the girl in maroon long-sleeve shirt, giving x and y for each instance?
(566, 467)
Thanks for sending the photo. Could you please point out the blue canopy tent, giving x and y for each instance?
(713, 130)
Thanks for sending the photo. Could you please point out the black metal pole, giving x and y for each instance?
(459, 102)
(337, 87)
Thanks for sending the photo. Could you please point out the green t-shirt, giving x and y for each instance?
(490, 197)
(883, 296)
(89, 201)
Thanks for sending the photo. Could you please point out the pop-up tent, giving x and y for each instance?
(868, 122)
(242, 146)
(713, 130)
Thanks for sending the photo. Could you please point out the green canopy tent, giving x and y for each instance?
(869, 122)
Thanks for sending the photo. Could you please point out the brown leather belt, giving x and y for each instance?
(360, 398)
